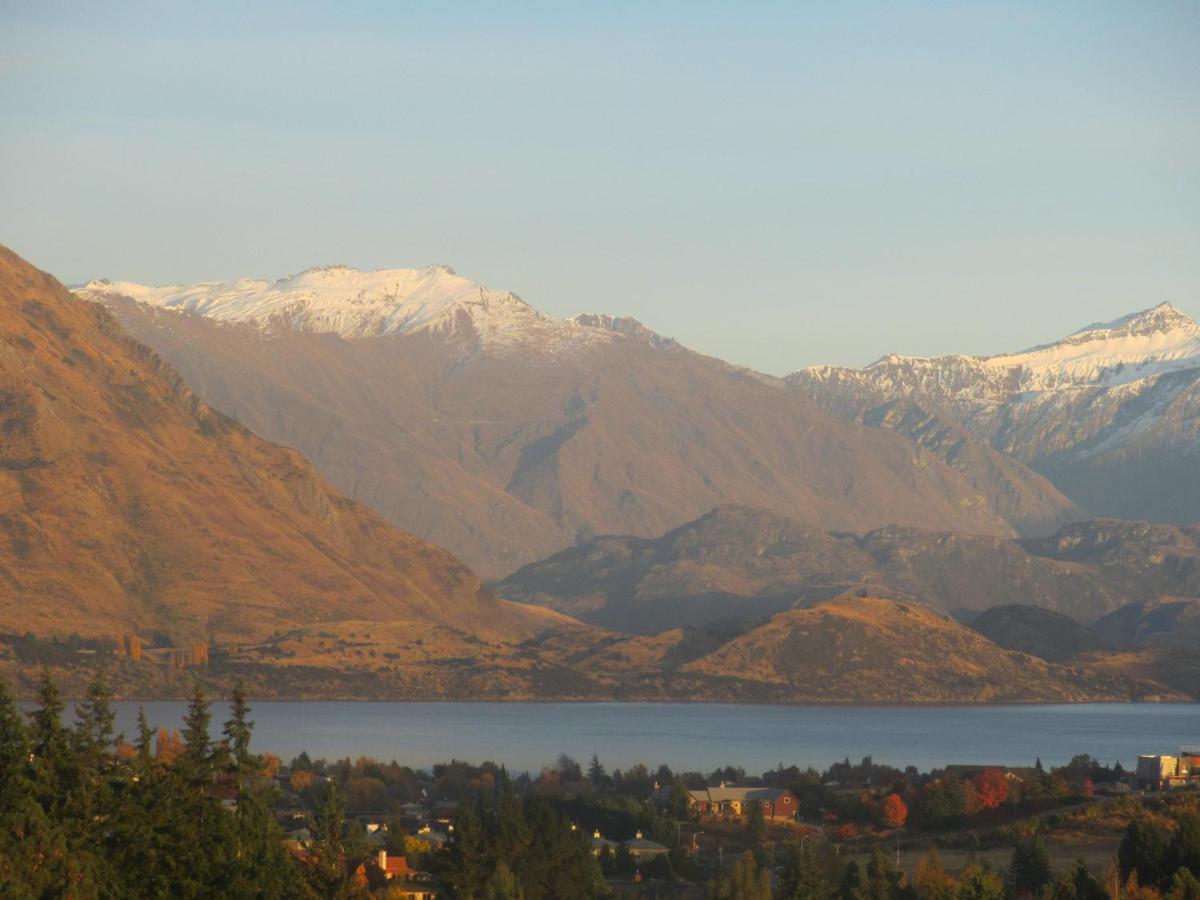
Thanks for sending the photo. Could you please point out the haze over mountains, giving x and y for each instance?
(468, 418)
(1110, 414)
(132, 507)
(742, 563)
(127, 504)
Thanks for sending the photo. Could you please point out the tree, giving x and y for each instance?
(756, 823)
(1143, 852)
(1184, 886)
(895, 812)
(28, 841)
(931, 879)
(804, 877)
(1184, 851)
(196, 741)
(979, 882)
(991, 787)
(1029, 870)
(1076, 884)
(884, 880)
(144, 745)
(596, 773)
(745, 881)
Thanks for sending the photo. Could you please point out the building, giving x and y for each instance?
(600, 844)
(1012, 774)
(643, 850)
(1161, 773)
(724, 800)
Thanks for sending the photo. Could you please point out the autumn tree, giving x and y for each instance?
(931, 880)
(894, 811)
(991, 788)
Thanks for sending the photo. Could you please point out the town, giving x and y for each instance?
(88, 813)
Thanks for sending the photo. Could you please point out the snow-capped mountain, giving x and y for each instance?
(505, 434)
(1111, 413)
(359, 304)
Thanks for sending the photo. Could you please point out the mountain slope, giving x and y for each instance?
(504, 435)
(867, 649)
(1110, 414)
(738, 562)
(128, 505)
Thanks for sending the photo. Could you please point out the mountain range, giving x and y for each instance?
(713, 533)
(1110, 414)
(743, 563)
(471, 420)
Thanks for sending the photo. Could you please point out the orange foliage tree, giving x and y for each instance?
(301, 779)
(895, 812)
(991, 788)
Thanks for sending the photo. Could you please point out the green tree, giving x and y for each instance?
(31, 849)
(1184, 886)
(884, 880)
(1143, 851)
(1029, 870)
(805, 875)
(756, 823)
(745, 881)
(595, 773)
(979, 882)
(1184, 851)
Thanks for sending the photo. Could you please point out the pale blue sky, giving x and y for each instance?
(775, 184)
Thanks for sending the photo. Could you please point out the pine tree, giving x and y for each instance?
(196, 741)
(804, 875)
(30, 846)
(596, 773)
(1029, 870)
(144, 745)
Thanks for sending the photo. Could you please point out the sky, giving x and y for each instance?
(779, 185)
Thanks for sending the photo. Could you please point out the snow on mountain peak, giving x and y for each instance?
(359, 304)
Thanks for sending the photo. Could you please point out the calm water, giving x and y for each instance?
(702, 736)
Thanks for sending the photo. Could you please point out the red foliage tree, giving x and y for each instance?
(991, 788)
(895, 812)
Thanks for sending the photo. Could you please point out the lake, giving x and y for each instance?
(703, 736)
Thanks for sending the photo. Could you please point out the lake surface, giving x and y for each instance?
(703, 736)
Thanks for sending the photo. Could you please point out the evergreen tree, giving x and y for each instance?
(1143, 852)
(884, 880)
(30, 847)
(745, 881)
(979, 882)
(1184, 851)
(1029, 870)
(144, 745)
(1184, 886)
(756, 823)
(197, 744)
(596, 773)
(804, 875)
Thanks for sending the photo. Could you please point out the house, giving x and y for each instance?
(776, 803)
(600, 844)
(1160, 773)
(643, 850)
(1012, 774)
(393, 866)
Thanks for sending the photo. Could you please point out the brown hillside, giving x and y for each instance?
(873, 649)
(505, 455)
(737, 562)
(128, 505)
